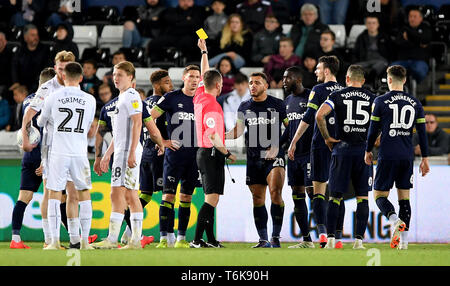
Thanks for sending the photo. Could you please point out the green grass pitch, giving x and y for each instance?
(235, 254)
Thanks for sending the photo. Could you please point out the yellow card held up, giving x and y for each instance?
(202, 34)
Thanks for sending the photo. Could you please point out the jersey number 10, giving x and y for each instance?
(400, 121)
(62, 127)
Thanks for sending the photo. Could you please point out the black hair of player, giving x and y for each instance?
(330, 62)
(210, 78)
(397, 72)
(296, 71)
(158, 75)
(260, 74)
(73, 70)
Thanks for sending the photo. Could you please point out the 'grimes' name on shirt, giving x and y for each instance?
(400, 96)
(72, 100)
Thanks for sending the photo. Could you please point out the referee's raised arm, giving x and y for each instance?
(204, 63)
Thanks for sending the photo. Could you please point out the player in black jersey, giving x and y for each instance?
(299, 169)
(395, 114)
(352, 113)
(326, 71)
(263, 115)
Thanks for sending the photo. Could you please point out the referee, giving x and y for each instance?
(212, 153)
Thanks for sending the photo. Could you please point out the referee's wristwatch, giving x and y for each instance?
(228, 154)
(204, 52)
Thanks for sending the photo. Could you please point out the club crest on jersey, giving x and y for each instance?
(210, 122)
(331, 120)
(311, 95)
(370, 181)
(392, 133)
(135, 104)
(180, 105)
(346, 128)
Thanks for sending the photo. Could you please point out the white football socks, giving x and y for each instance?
(54, 219)
(115, 222)
(85, 219)
(136, 226)
(74, 230)
(46, 230)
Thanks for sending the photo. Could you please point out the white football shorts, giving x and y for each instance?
(61, 168)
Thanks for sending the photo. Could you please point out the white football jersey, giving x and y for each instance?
(72, 112)
(129, 103)
(37, 104)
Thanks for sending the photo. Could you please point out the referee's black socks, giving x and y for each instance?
(205, 222)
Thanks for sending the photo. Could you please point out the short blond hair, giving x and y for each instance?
(64, 56)
(127, 67)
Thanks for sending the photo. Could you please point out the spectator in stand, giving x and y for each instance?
(254, 12)
(266, 41)
(333, 11)
(15, 121)
(215, 23)
(413, 45)
(226, 67)
(230, 102)
(178, 30)
(5, 113)
(372, 50)
(438, 139)
(25, 12)
(64, 40)
(306, 34)
(6, 55)
(105, 95)
(277, 64)
(60, 11)
(327, 41)
(90, 82)
(234, 41)
(118, 56)
(309, 66)
(30, 60)
(146, 28)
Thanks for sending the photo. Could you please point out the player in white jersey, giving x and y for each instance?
(61, 59)
(126, 125)
(72, 112)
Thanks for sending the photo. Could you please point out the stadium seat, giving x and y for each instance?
(249, 70)
(111, 37)
(176, 74)
(286, 28)
(129, 13)
(101, 56)
(355, 31)
(339, 31)
(143, 76)
(276, 92)
(105, 15)
(85, 37)
(101, 72)
(443, 15)
(135, 55)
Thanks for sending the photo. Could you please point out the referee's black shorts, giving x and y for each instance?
(211, 164)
